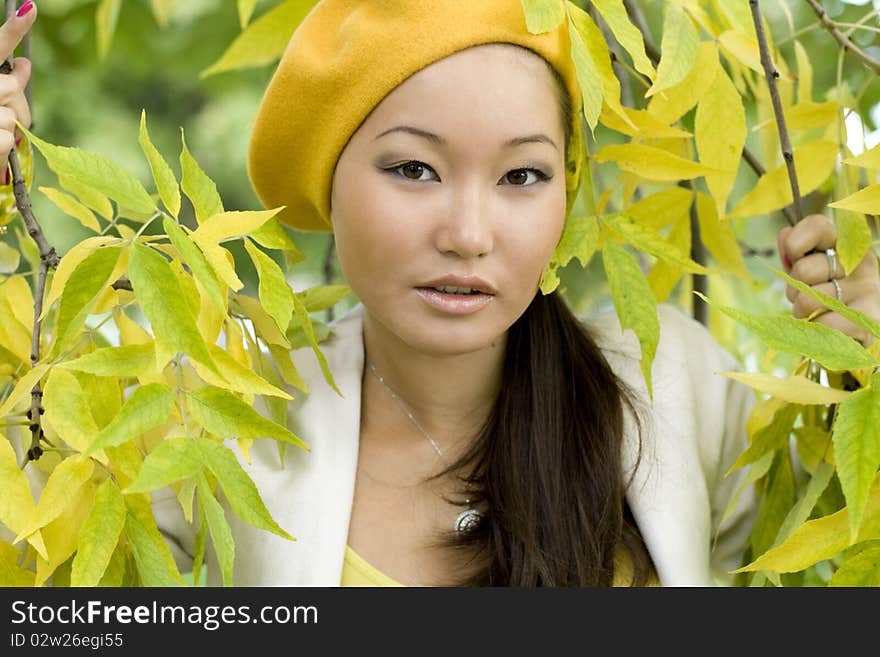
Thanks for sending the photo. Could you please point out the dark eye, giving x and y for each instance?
(412, 170)
(523, 175)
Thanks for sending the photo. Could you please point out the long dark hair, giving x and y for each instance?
(547, 462)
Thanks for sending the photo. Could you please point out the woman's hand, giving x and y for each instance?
(859, 289)
(13, 104)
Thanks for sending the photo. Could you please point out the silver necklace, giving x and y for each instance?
(470, 517)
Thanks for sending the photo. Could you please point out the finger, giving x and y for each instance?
(803, 304)
(780, 247)
(815, 268)
(815, 231)
(13, 84)
(13, 30)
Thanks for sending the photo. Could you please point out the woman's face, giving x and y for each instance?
(466, 203)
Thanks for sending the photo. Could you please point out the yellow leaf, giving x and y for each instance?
(743, 48)
(854, 238)
(678, 49)
(819, 539)
(814, 162)
(870, 159)
(61, 534)
(721, 136)
(628, 35)
(64, 480)
(805, 74)
(23, 388)
(719, 238)
(665, 274)
(647, 240)
(673, 103)
(650, 162)
(68, 264)
(162, 11)
(13, 334)
(543, 15)
(148, 407)
(238, 377)
(18, 292)
(641, 124)
(106, 17)
(17, 508)
(866, 200)
(10, 572)
(796, 389)
(69, 205)
(230, 225)
(264, 325)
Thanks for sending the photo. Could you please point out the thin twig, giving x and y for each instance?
(841, 38)
(772, 75)
(48, 259)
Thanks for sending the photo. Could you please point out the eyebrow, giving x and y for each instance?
(437, 139)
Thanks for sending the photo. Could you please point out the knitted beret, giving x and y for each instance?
(344, 58)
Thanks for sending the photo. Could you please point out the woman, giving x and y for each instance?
(484, 435)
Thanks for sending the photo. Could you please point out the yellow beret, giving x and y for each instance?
(344, 58)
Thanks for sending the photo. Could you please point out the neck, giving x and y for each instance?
(449, 395)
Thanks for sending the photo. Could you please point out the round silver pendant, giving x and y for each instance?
(467, 520)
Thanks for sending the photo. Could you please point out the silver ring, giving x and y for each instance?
(832, 263)
(837, 289)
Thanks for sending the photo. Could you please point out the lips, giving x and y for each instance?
(454, 304)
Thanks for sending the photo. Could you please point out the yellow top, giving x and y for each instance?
(357, 571)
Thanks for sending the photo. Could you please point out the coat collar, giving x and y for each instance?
(317, 493)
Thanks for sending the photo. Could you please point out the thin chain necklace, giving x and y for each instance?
(470, 517)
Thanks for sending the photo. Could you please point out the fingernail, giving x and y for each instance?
(6, 182)
(787, 261)
(25, 8)
(18, 141)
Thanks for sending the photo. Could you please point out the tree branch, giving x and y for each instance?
(772, 75)
(48, 258)
(841, 38)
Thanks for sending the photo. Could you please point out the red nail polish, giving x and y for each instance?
(25, 8)
(787, 261)
(7, 176)
(18, 141)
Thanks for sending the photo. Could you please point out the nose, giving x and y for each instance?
(467, 231)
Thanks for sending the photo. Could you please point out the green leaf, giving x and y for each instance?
(861, 570)
(164, 303)
(580, 238)
(321, 297)
(198, 187)
(589, 78)
(853, 238)
(94, 171)
(156, 565)
(69, 205)
(171, 460)
(306, 323)
(10, 573)
(221, 534)
(23, 388)
(148, 407)
(227, 416)
(820, 539)
(239, 489)
(831, 348)
(647, 240)
(275, 292)
(68, 410)
(64, 479)
(98, 536)
(627, 35)
(856, 438)
(9, 259)
(634, 302)
(856, 317)
(87, 281)
(106, 17)
(199, 544)
(678, 49)
(777, 499)
(770, 438)
(197, 262)
(543, 15)
(238, 377)
(88, 196)
(272, 235)
(131, 360)
(166, 183)
(264, 41)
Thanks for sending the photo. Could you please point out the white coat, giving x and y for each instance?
(695, 431)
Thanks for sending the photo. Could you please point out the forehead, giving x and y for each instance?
(500, 84)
